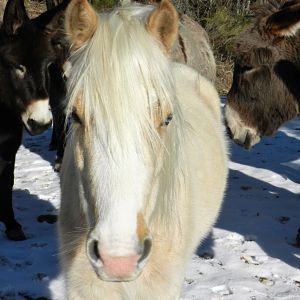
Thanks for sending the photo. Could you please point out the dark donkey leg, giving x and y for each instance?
(61, 137)
(59, 131)
(57, 103)
(53, 142)
(8, 149)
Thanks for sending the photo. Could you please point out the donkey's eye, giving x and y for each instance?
(57, 44)
(75, 118)
(167, 121)
(20, 71)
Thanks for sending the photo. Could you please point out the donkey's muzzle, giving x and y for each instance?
(242, 134)
(118, 268)
(246, 139)
(37, 117)
(34, 127)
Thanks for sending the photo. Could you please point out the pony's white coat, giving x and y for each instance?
(117, 165)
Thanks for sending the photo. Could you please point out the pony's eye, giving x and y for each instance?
(75, 118)
(167, 121)
(20, 71)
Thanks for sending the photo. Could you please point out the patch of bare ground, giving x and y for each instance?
(224, 75)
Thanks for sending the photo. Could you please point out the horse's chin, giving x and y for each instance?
(102, 275)
(105, 274)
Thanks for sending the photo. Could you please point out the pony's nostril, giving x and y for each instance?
(93, 251)
(146, 251)
(96, 250)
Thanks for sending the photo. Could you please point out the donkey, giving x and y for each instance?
(145, 168)
(192, 47)
(265, 91)
(27, 49)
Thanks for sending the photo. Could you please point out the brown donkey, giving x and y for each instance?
(265, 91)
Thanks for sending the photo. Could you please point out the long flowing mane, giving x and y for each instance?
(124, 77)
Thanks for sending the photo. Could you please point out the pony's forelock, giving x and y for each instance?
(114, 72)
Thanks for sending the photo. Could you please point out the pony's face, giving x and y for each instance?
(28, 48)
(266, 73)
(118, 187)
(118, 140)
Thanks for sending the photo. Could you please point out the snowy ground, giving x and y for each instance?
(249, 255)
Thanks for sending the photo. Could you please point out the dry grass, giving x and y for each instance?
(224, 66)
(35, 8)
(224, 76)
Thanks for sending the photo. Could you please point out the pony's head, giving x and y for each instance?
(122, 101)
(266, 75)
(28, 48)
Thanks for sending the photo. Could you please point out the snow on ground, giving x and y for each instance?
(249, 254)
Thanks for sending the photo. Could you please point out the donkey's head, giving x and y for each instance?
(122, 105)
(28, 48)
(266, 75)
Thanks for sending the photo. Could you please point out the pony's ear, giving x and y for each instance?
(14, 16)
(163, 23)
(80, 22)
(285, 22)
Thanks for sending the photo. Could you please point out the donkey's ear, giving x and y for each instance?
(290, 3)
(285, 22)
(163, 23)
(53, 19)
(80, 22)
(14, 16)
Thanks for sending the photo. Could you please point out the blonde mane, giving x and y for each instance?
(120, 85)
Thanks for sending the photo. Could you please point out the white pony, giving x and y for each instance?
(145, 169)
